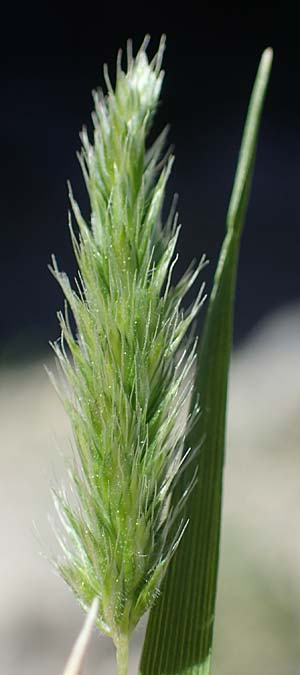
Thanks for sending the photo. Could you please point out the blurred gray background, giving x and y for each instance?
(51, 60)
(257, 627)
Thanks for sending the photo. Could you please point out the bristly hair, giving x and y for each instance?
(128, 370)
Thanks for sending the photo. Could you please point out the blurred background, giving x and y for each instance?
(51, 59)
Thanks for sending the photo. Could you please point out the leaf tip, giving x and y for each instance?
(267, 58)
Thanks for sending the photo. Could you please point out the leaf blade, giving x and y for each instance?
(180, 628)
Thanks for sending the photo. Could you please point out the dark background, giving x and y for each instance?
(51, 60)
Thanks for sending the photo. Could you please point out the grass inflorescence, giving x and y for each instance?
(128, 366)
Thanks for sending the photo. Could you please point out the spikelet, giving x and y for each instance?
(128, 370)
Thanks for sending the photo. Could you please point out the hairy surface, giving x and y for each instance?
(128, 370)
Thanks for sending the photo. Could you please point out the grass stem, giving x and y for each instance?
(122, 654)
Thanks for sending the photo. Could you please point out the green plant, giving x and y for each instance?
(129, 381)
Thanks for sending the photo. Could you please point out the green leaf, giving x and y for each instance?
(180, 628)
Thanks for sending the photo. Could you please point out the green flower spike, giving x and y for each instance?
(128, 371)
